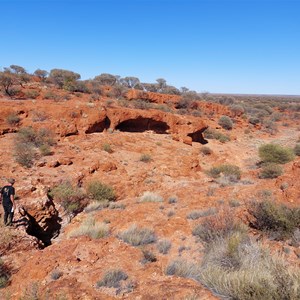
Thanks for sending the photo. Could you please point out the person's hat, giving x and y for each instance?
(11, 180)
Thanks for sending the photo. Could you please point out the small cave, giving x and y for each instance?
(99, 126)
(141, 124)
(198, 137)
(51, 227)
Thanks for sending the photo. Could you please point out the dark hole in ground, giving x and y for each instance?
(99, 126)
(198, 137)
(141, 124)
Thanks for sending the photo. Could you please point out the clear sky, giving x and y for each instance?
(219, 46)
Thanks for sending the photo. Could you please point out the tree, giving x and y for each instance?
(162, 83)
(42, 74)
(150, 87)
(7, 80)
(17, 69)
(63, 78)
(106, 79)
(130, 82)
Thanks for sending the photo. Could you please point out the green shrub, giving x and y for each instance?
(71, 198)
(32, 94)
(107, 148)
(225, 122)
(13, 119)
(297, 150)
(213, 134)
(270, 170)
(272, 153)
(227, 170)
(24, 154)
(277, 220)
(137, 236)
(112, 279)
(91, 228)
(100, 191)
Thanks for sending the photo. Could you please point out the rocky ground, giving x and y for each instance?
(175, 169)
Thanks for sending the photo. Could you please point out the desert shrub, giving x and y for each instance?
(107, 148)
(91, 228)
(172, 200)
(56, 274)
(225, 122)
(24, 154)
(148, 256)
(39, 116)
(5, 274)
(273, 153)
(145, 158)
(137, 236)
(218, 226)
(142, 104)
(196, 214)
(183, 268)
(100, 191)
(213, 134)
(270, 170)
(150, 197)
(45, 150)
(237, 268)
(96, 205)
(112, 278)
(254, 120)
(163, 246)
(51, 95)
(71, 198)
(237, 109)
(206, 150)
(13, 119)
(277, 220)
(115, 205)
(227, 170)
(234, 203)
(31, 94)
(297, 149)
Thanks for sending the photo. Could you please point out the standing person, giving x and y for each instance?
(7, 195)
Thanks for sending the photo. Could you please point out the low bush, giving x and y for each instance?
(148, 256)
(145, 158)
(13, 119)
(213, 134)
(112, 279)
(100, 191)
(225, 122)
(206, 150)
(107, 148)
(270, 170)
(163, 246)
(150, 197)
(218, 226)
(31, 94)
(237, 268)
(71, 198)
(196, 214)
(227, 170)
(273, 153)
(24, 154)
(277, 220)
(297, 149)
(137, 236)
(183, 268)
(5, 274)
(91, 228)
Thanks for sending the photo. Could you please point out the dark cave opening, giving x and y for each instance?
(99, 126)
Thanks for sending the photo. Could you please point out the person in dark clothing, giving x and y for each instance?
(7, 196)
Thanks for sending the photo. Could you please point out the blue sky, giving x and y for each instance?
(243, 46)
